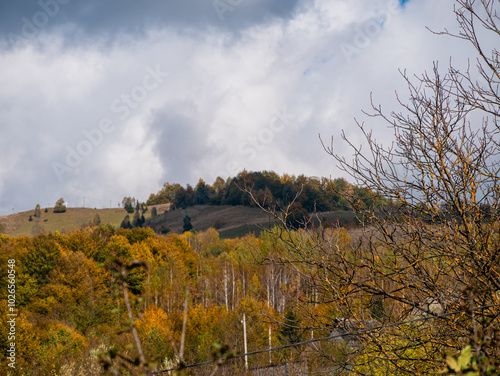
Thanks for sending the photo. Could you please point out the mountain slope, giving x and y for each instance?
(225, 219)
(236, 219)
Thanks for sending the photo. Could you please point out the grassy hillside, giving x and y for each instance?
(229, 221)
(18, 224)
(235, 220)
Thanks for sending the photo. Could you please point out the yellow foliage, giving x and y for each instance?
(153, 318)
(27, 338)
(59, 340)
(141, 251)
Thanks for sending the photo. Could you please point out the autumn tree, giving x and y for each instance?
(60, 206)
(38, 211)
(165, 195)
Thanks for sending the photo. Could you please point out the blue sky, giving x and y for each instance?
(110, 99)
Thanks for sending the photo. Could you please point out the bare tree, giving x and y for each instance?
(434, 248)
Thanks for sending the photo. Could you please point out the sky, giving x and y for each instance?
(105, 99)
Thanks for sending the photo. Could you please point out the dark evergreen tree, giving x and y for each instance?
(187, 224)
(126, 222)
(291, 331)
(201, 193)
(136, 221)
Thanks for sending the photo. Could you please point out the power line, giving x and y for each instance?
(330, 337)
(360, 331)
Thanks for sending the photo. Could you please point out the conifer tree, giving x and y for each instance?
(187, 224)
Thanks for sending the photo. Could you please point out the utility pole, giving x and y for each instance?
(83, 202)
(245, 340)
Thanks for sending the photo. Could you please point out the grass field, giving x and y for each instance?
(229, 221)
(18, 224)
(224, 218)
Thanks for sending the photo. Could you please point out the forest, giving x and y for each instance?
(72, 315)
(309, 194)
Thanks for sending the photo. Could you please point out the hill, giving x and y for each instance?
(235, 221)
(312, 194)
(229, 221)
(18, 224)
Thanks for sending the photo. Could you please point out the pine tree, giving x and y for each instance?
(126, 222)
(136, 221)
(187, 224)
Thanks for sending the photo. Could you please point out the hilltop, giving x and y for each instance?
(224, 206)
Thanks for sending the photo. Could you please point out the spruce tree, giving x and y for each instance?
(126, 222)
(187, 224)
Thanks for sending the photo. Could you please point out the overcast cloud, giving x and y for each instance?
(110, 99)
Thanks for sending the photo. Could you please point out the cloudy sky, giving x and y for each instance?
(106, 99)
